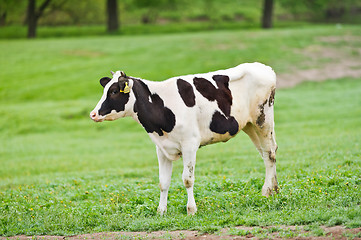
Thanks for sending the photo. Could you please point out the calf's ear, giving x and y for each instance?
(124, 86)
(104, 81)
(122, 77)
(123, 83)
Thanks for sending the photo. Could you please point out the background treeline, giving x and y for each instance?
(135, 16)
(89, 12)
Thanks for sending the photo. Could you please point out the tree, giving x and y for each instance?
(151, 8)
(267, 14)
(321, 10)
(112, 16)
(33, 16)
(3, 12)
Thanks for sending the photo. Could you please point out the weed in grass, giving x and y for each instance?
(181, 236)
(335, 221)
(210, 229)
(134, 237)
(239, 232)
(354, 223)
(349, 235)
(167, 236)
(315, 230)
(289, 233)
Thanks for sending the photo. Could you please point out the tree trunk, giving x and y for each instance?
(112, 14)
(3, 19)
(33, 16)
(267, 14)
(31, 19)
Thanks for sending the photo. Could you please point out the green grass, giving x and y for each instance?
(61, 174)
(13, 32)
(20, 32)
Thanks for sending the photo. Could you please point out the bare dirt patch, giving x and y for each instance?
(285, 232)
(326, 62)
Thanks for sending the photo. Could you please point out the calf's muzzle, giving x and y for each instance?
(95, 117)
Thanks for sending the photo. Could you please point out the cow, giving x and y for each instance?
(184, 113)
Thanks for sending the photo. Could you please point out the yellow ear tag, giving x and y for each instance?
(126, 88)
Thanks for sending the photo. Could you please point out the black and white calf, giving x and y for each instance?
(184, 113)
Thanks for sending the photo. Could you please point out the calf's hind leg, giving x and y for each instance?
(263, 136)
(269, 148)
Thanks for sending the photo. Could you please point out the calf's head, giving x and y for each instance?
(111, 106)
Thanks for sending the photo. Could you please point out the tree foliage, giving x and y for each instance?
(94, 12)
(9, 8)
(320, 9)
(152, 7)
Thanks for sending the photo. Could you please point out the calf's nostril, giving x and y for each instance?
(93, 114)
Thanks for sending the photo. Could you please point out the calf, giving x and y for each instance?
(184, 113)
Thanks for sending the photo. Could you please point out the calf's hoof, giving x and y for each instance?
(162, 210)
(268, 191)
(191, 210)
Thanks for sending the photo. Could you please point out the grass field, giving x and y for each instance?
(62, 174)
(17, 32)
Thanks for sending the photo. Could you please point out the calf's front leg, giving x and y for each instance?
(165, 175)
(189, 162)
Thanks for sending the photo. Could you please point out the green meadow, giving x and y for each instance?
(62, 174)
